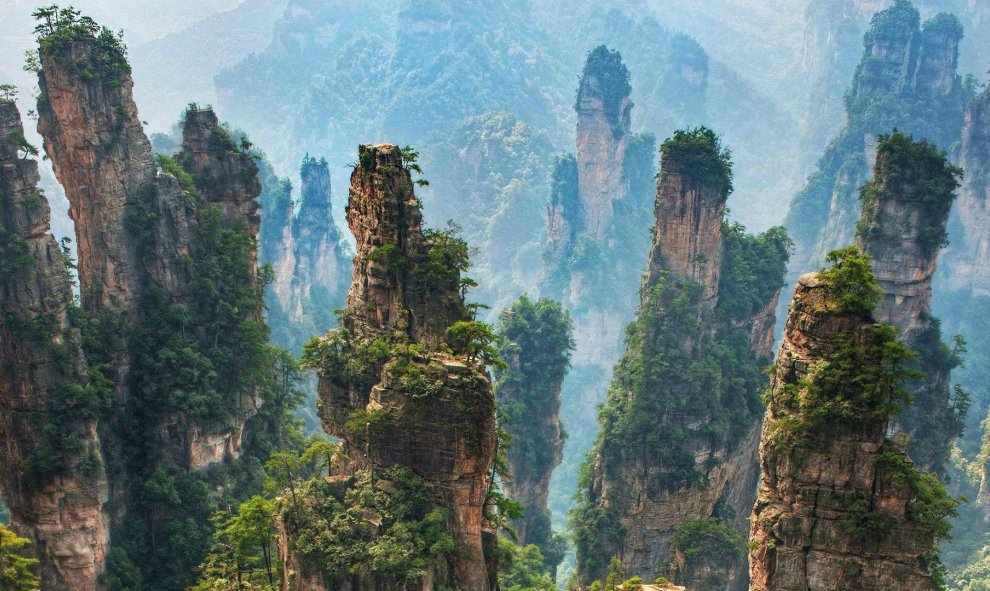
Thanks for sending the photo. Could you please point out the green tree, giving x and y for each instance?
(476, 340)
(521, 568)
(17, 572)
(850, 283)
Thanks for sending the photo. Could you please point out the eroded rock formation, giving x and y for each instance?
(839, 505)
(906, 79)
(678, 444)
(905, 211)
(596, 240)
(968, 254)
(52, 475)
(536, 348)
(411, 405)
(158, 371)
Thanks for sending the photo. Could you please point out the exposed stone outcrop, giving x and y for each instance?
(905, 211)
(690, 210)
(444, 431)
(659, 463)
(55, 492)
(836, 508)
(833, 32)
(103, 159)
(597, 242)
(150, 244)
(321, 276)
(907, 79)
(603, 112)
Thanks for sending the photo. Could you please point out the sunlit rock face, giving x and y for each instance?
(814, 492)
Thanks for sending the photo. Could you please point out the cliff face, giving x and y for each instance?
(55, 491)
(410, 405)
(158, 371)
(905, 211)
(306, 251)
(598, 201)
(906, 79)
(834, 29)
(103, 160)
(968, 255)
(677, 445)
(838, 506)
(689, 211)
(603, 112)
(321, 275)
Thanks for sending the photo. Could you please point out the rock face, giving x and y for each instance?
(406, 292)
(689, 210)
(55, 493)
(320, 259)
(837, 507)
(969, 253)
(676, 447)
(103, 160)
(603, 112)
(102, 381)
(907, 79)
(905, 211)
(598, 202)
(834, 30)
(307, 254)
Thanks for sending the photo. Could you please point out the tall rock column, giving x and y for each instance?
(390, 387)
(51, 467)
(603, 114)
(320, 283)
(690, 209)
(600, 201)
(968, 256)
(676, 453)
(840, 506)
(905, 211)
(906, 79)
(537, 344)
(101, 157)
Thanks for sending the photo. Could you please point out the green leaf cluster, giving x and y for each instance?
(17, 572)
(698, 154)
(60, 29)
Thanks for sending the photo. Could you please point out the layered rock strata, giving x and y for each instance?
(838, 505)
(404, 295)
(905, 212)
(52, 476)
(660, 462)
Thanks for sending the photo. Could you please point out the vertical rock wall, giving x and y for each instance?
(837, 504)
(52, 475)
(905, 211)
(445, 434)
